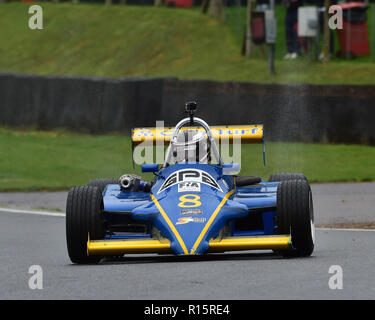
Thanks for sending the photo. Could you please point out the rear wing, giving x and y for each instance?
(222, 134)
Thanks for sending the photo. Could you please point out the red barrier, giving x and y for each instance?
(353, 38)
(180, 3)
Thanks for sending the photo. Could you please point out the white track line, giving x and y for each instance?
(343, 229)
(62, 215)
(40, 213)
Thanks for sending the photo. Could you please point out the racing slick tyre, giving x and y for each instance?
(102, 183)
(295, 216)
(276, 177)
(84, 218)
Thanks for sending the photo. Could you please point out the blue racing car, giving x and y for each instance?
(196, 204)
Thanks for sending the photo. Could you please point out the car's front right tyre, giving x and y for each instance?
(295, 216)
(102, 183)
(84, 219)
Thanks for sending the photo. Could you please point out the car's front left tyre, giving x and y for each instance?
(84, 219)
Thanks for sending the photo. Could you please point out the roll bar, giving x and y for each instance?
(196, 121)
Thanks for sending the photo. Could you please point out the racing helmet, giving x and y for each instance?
(191, 146)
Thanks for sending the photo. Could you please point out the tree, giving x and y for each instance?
(158, 3)
(326, 32)
(205, 4)
(216, 8)
(251, 4)
(108, 2)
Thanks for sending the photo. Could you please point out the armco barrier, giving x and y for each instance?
(84, 104)
(298, 112)
(332, 113)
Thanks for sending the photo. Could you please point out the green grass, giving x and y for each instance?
(33, 160)
(130, 41)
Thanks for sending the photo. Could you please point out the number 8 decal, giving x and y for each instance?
(192, 202)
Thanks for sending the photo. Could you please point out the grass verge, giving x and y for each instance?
(33, 160)
(133, 41)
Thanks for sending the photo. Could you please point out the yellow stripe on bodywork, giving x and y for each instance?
(170, 224)
(208, 224)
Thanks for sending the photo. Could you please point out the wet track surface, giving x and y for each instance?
(27, 240)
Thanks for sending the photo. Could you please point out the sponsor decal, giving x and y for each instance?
(189, 186)
(189, 175)
(217, 131)
(185, 220)
(191, 212)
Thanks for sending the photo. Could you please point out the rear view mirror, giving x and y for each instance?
(152, 167)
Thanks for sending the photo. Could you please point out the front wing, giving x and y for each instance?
(147, 245)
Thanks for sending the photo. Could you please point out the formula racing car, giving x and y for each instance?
(195, 205)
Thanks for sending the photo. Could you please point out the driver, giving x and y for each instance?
(191, 146)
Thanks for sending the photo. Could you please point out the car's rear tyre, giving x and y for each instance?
(84, 218)
(102, 183)
(276, 177)
(295, 216)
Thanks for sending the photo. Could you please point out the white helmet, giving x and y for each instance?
(191, 146)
